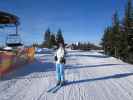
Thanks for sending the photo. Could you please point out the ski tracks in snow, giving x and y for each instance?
(90, 76)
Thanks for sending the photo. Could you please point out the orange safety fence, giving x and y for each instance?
(30, 52)
(5, 62)
(10, 61)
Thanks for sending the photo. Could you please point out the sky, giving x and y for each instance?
(80, 20)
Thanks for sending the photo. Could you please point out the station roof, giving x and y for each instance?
(8, 19)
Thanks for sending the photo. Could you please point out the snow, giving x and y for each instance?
(90, 75)
(7, 48)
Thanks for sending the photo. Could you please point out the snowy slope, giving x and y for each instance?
(90, 76)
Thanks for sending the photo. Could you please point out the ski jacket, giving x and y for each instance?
(59, 56)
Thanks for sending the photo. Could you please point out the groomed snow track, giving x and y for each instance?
(89, 75)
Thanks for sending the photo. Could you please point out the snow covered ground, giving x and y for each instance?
(89, 75)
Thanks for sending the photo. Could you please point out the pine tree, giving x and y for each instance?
(128, 24)
(127, 17)
(107, 41)
(59, 37)
(123, 46)
(47, 36)
(116, 35)
(53, 40)
(118, 39)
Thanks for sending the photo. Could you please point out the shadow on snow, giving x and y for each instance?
(95, 56)
(115, 76)
(35, 67)
(46, 67)
(91, 66)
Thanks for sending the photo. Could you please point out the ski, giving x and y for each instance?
(56, 89)
(60, 86)
(49, 90)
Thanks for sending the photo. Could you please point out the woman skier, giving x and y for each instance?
(60, 61)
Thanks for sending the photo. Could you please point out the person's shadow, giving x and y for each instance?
(115, 76)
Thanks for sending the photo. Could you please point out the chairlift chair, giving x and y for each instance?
(10, 20)
(13, 40)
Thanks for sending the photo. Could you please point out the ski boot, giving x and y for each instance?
(58, 83)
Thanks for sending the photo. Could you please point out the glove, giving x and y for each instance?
(55, 58)
(63, 60)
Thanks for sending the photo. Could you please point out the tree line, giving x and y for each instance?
(52, 39)
(84, 46)
(117, 40)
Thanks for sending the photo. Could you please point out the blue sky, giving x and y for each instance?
(80, 20)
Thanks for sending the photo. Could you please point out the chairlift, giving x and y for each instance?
(9, 20)
(13, 40)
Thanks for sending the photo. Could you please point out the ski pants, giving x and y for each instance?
(60, 72)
